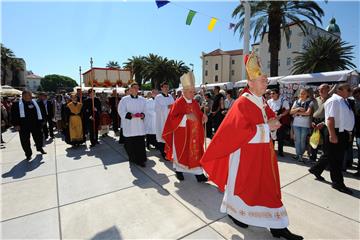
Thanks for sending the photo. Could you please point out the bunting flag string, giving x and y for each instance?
(212, 24)
(161, 3)
(192, 13)
(190, 17)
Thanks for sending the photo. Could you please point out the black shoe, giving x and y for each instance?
(28, 157)
(285, 233)
(201, 178)
(41, 150)
(343, 189)
(317, 175)
(2, 141)
(141, 164)
(237, 222)
(180, 176)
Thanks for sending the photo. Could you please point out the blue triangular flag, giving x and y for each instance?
(161, 3)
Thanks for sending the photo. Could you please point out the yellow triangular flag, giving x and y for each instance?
(212, 24)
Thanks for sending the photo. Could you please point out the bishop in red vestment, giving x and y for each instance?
(184, 133)
(241, 160)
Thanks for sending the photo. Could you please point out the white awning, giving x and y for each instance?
(243, 83)
(223, 85)
(324, 77)
(335, 76)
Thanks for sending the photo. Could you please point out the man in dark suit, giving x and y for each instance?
(92, 114)
(47, 111)
(26, 118)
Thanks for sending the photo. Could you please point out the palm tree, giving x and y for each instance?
(9, 61)
(179, 68)
(112, 64)
(137, 65)
(271, 16)
(324, 54)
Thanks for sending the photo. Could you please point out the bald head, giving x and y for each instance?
(324, 90)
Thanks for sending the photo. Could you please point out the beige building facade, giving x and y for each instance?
(225, 66)
(221, 66)
(298, 41)
(33, 81)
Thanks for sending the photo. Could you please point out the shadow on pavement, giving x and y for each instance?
(141, 182)
(20, 169)
(110, 233)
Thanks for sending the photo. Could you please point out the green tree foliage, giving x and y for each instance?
(271, 17)
(156, 69)
(324, 54)
(56, 83)
(9, 61)
(136, 65)
(112, 64)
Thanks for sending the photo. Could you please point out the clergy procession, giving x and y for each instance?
(230, 143)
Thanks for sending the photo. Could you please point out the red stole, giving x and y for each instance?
(189, 140)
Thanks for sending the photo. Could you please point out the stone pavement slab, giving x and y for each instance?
(101, 196)
(322, 194)
(41, 225)
(28, 196)
(204, 233)
(97, 180)
(144, 211)
(229, 230)
(37, 167)
(203, 199)
(317, 222)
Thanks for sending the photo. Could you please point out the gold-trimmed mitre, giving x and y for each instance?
(188, 80)
(253, 68)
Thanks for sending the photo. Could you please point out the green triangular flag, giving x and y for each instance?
(190, 17)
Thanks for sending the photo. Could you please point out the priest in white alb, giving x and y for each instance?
(163, 103)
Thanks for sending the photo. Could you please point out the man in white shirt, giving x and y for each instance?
(132, 113)
(340, 122)
(163, 103)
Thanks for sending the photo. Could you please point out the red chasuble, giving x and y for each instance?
(188, 139)
(242, 162)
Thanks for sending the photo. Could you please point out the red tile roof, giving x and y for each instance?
(33, 76)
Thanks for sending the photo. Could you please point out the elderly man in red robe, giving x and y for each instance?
(241, 160)
(184, 133)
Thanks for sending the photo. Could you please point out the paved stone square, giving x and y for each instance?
(83, 193)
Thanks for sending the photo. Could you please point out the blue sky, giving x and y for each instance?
(58, 37)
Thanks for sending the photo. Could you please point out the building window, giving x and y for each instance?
(216, 66)
(232, 72)
(233, 61)
(288, 61)
(216, 78)
(206, 73)
(206, 62)
(289, 45)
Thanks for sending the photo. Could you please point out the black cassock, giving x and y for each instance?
(29, 124)
(88, 118)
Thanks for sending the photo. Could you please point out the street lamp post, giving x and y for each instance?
(247, 9)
